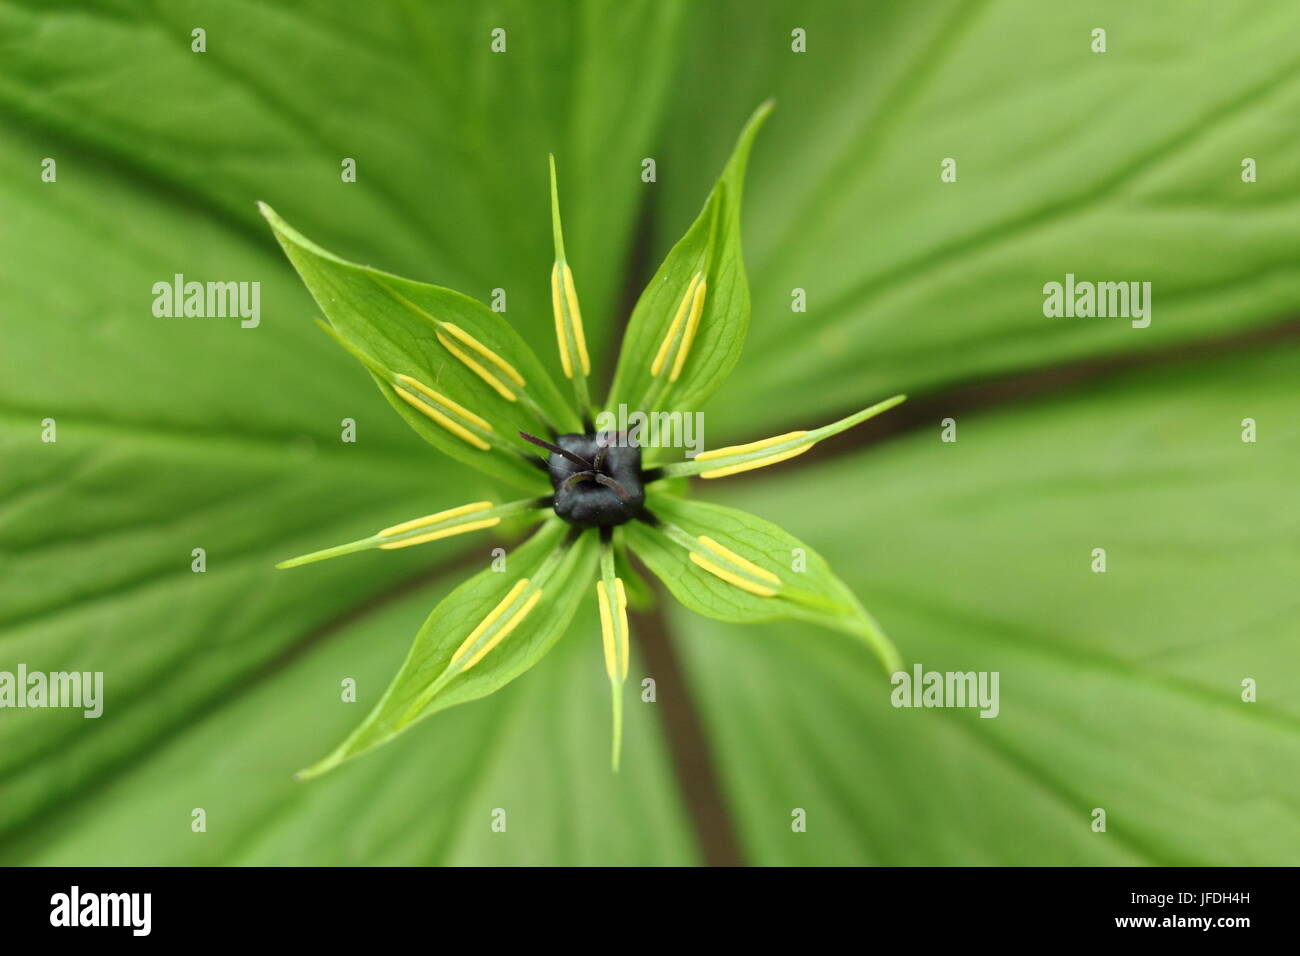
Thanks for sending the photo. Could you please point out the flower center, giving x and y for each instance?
(598, 482)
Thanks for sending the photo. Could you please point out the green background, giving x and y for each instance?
(1119, 690)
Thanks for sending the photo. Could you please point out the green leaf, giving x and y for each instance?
(526, 608)
(428, 798)
(688, 328)
(1120, 690)
(1117, 166)
(767, 574)
(172, 435)
(445, 341)
(450, 140)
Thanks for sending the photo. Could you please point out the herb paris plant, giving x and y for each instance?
(467, 382)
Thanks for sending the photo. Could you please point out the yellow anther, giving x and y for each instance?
(688, 336)
(491, 619)
(607, 635)
(576, 315)
(486, 352)
(458, 430)
(438, 415)
(429, 412)
(564, 302)
(682, 309)
(623, 633)
(738, 561)
(506, 628)
(558, 306)
(760, 462)
(746, 449)
(731, 577)
(443, 533)
(435, 518)
(614, 629)
(478, 369)
(460, 410)
(756, 463)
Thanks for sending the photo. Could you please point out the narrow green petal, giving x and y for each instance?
(721, 462)
(445, 413)
(688, 327)
(734, 566)
(569, 334)
(612, 602)
(488, 631)
(444, 524)
(453, 369)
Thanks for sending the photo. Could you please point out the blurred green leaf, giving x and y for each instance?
(1120, 690)
(172, 435)
(450, 140)
(427, 798)
(701, 550)
(1117, 166)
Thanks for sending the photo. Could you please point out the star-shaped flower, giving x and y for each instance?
(466, 381)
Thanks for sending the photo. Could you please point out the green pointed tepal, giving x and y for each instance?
(689, 326)
(569, 335)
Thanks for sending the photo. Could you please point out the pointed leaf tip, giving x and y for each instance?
(695, 310)
(557, 227)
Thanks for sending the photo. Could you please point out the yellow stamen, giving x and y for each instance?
(614, 629)
(564, 298)
(460, 410)
(731, 578)
(444, 533)
(430, 411)
(488, 621)
(737, 560)
(486, 352)
(688, 337)
(576, 315)
(736, 450)
(746, 449)
(756, 463)
(506, 628)
(622, 611)
(607, 635)
(662, 354)
(435, 518)
(478, 369)
(560, 336)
